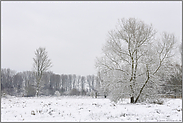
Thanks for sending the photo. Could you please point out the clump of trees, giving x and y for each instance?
(173, 83)
(134, 59)
(24, 83)
(40, 81)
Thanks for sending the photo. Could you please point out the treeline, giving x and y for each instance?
(23, 84)
(172, 86)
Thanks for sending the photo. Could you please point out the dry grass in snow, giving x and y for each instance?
(60, 109)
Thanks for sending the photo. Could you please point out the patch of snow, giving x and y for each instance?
(86, 109)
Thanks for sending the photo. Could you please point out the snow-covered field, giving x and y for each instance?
(59, 109)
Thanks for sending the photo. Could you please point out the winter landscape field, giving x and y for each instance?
(86, 109)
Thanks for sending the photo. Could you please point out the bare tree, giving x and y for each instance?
(7, 85)
(41, 64)
(132, 57)
(82, 85)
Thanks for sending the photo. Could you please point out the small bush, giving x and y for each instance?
(57, 93)
(158, 101)
(74, 91)
(3, 94)
(83, 92)
(117, 95)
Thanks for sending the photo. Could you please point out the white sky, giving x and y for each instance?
(73, 33)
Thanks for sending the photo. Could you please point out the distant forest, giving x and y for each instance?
(23, 84)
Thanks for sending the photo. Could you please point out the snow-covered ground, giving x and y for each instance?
(59, 109)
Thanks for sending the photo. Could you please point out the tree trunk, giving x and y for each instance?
(95, 94)
(37, 93)
(148, 77)
(132, 100)
(37, 89)
(142, 89)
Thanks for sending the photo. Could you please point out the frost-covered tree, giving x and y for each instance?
(74, 81)
(41, 64)
(70, 82)
(173, 83)
(88, 78)
(7, 85)
(82, 85)
(28, 83)
(173, 78)
(18, 83)
(133, 58)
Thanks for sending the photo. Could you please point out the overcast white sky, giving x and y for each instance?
(73, 33)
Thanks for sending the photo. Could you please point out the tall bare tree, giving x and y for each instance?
(133, 56)
(41, 64)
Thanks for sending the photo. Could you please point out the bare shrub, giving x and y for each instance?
(57, 93)
(74, 91)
